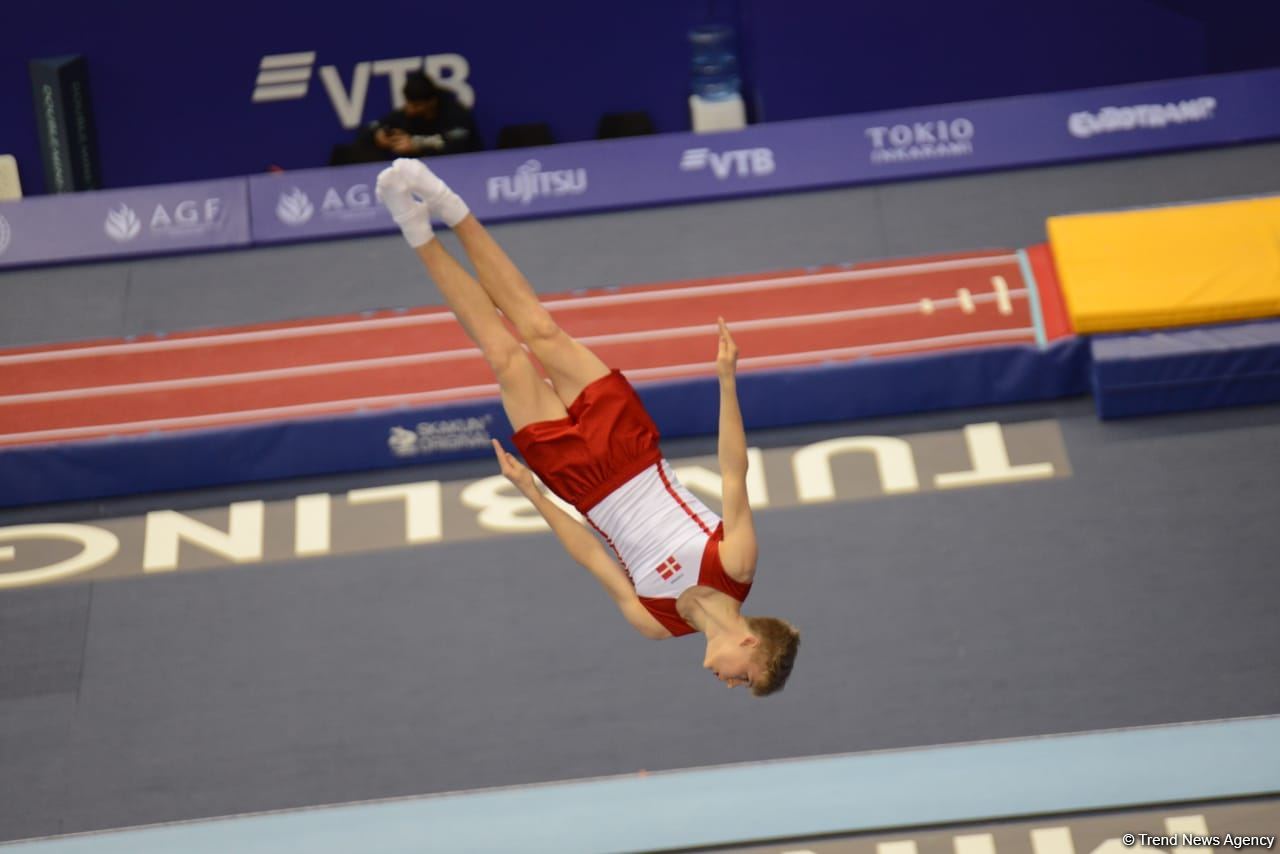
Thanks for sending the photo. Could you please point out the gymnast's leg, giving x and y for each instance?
(569, 364)
(525, 397)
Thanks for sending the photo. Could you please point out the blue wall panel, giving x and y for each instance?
(815, 57)
(173, 83)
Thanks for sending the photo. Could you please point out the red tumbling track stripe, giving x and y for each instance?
(910, 306)
(1053, 305)
(86, 407)
(383, 337)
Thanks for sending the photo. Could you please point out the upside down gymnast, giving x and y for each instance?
(676, 568)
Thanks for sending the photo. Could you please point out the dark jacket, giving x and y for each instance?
(453, 123)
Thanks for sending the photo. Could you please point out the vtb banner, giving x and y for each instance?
(288, 76)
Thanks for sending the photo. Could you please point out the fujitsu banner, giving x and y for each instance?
(497, 185)
(118, 223)
(525, 183)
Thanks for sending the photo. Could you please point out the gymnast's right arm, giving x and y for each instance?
(583, 547)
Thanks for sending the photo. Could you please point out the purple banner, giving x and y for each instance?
(843, 150)
(663, 169)
(118, 223)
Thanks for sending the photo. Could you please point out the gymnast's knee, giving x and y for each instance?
(507, 359)
(538, 328)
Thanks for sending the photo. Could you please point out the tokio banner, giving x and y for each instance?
(661, 169)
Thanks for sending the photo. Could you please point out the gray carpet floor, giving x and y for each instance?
(1139, 590)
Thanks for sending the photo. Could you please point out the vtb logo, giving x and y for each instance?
(669, 568)
(287, 77)
(745, 162)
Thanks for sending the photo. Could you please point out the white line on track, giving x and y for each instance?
(417, 359)
(1002, 294)
(405, 400)
(838, 353)
(219, 339)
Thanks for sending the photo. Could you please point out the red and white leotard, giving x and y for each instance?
(667, 541)
(605, 461)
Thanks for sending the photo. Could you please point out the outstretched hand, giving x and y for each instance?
(512, 469)
(727, 358)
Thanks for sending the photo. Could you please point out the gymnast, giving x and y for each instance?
(679, 569)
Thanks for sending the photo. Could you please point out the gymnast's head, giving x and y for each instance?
(761, 656)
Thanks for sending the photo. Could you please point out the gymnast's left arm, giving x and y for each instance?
(583, 547)
(738, 551)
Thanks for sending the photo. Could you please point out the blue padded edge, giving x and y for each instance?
(1041, 777)
(840, 391)
(1186, 369)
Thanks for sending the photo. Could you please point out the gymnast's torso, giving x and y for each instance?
(667, 541)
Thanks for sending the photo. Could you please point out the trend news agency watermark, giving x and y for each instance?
(1193, 840)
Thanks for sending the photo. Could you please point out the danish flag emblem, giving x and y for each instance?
(668, 568)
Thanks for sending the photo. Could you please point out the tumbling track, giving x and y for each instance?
(655, 332)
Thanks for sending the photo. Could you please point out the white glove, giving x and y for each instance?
(412, 215)
(447, 204)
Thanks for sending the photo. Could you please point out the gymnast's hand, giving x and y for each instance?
(514, 470)
(727, 358)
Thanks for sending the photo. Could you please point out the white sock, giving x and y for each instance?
(444, 202)
(452, 208)
(416, 227)
(413, 216)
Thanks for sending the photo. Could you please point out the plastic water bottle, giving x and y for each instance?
(715, 99)
(714, 69)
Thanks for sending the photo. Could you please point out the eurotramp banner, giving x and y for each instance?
(666, 169)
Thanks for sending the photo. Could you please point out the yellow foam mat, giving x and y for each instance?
(1172, 266)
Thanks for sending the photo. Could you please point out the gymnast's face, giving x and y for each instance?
(732, 659)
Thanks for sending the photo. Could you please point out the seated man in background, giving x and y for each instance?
(432, 121)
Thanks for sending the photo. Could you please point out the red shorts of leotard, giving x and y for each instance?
(607, 439)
